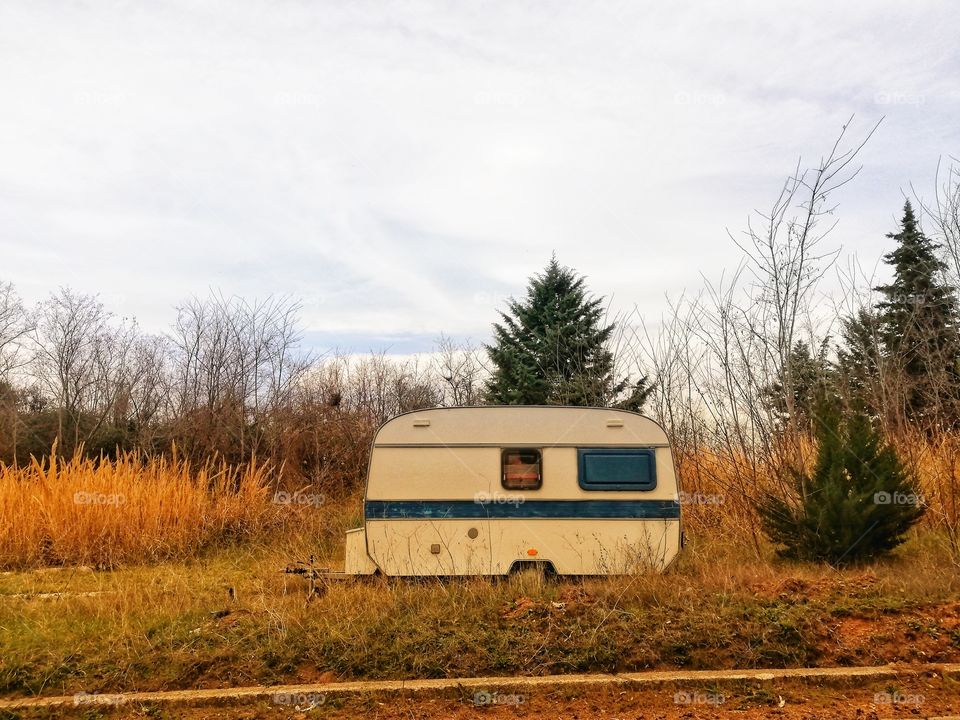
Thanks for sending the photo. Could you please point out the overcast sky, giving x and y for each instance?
(402, 167)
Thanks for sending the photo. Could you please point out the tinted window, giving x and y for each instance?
(521, 469)
(617, 469)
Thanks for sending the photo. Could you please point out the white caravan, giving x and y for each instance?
(485, 490)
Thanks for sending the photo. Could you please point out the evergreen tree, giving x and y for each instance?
(858, 359)
(857, 504)
(638, 394)
(550, 348)
(919, 321)
(810, 376)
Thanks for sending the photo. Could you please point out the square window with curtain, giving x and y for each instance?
(521, 469)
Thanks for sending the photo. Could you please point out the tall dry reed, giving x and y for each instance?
(134, 509)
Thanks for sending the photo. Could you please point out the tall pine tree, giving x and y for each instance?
(919, 322)
(550, 348)
(857, 369)
(811, 375)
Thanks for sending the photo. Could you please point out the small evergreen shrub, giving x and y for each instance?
(858, 503)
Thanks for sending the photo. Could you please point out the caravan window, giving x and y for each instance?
(617, 468)
(521, 469)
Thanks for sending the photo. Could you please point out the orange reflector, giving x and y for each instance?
(531, 552)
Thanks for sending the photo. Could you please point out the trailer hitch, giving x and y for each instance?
(310, 572)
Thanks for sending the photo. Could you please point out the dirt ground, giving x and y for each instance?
(917, 697)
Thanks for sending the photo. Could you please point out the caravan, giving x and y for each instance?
(487, 490)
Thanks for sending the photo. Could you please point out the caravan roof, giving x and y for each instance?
(504, 425)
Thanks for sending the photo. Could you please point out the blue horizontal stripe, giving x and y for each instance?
(465, 509)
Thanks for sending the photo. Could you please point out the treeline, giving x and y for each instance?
(230, 379)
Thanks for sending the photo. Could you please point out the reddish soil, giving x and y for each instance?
(931, 634)
(919, 697)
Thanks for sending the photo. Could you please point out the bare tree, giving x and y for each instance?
(944, 215)
(719, 356)
(784, 254)
(460, 370)
(81, 355)
(15, 327)
(143, 403)
(16, 324)
(233, 364)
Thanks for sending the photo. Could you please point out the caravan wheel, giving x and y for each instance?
(536, 571)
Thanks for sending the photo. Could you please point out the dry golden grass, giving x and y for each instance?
(135, 509)
(188, 607)
(737, 481)
(937, 464)
(176, 624)
(138, 509)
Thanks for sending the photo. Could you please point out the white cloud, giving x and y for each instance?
(404, 167)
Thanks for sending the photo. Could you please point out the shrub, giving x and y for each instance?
(857, 504)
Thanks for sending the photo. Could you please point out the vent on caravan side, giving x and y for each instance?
(614, 423)
(422, 422)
